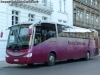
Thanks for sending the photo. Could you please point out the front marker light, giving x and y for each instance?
(7, 55)
(28, 55)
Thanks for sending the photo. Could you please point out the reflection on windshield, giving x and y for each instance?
(19, 38)
(12, 39)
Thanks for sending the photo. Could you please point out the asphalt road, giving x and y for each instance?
(76, 67)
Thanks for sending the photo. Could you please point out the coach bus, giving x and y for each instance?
(48, 42)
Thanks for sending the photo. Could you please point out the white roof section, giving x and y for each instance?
(79, 29)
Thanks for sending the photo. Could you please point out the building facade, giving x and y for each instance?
(60, 11)
(86, 14)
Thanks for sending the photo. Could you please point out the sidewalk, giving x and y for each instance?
(3, 64)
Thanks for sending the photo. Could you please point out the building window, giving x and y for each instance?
(79, 15)
(62, 5)
(92, 2)
(96, 4)
(92, 19)
(59, 20)
(15, 17)
(87, 17)
(44, 2)
(97, 20)
(86, 1)
(82, 0)
(31, 17)
(64, 21)
(44, 18)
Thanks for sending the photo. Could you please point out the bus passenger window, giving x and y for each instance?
(66, 35)
(37, 39)
(59, 34)
(76, 35)
(80, 36)
(91, 36)
(83, 36)
(86, 35)
(48, 31)
(54, 35)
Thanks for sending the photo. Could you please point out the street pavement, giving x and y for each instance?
(5, 64)
(75, 67)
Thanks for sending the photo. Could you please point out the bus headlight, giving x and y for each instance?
(28, 55)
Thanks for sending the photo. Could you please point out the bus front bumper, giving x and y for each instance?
(19, 60)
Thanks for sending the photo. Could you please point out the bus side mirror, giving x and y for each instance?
(1, 34)
(29, 31)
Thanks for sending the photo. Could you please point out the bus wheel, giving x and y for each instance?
(87, 55)
(51, 59)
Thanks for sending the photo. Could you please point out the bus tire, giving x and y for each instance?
(87, 55)
(51, 59)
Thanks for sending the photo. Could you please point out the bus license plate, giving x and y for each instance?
(15, 60)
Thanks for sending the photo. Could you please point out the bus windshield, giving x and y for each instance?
(19, 37)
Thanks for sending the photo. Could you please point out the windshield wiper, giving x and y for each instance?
(14, 47)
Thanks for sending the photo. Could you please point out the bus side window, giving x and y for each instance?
(91, 36)
(44, 36)
(48, 31)
(80, 35)
(67, 35)
(63, 34)
(76, 35)
(73, 35)
(59, 35)
(87, 36)
(83, 36)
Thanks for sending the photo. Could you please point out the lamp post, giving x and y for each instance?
(74, 11)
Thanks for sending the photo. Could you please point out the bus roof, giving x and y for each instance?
(72, 28)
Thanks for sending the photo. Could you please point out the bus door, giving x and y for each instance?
(46, 41)
(37, 44)
(48, 32)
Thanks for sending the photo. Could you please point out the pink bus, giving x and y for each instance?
(36, 42)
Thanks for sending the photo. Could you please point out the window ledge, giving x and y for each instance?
(63, 12)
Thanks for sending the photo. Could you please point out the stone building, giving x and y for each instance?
(86, 14)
